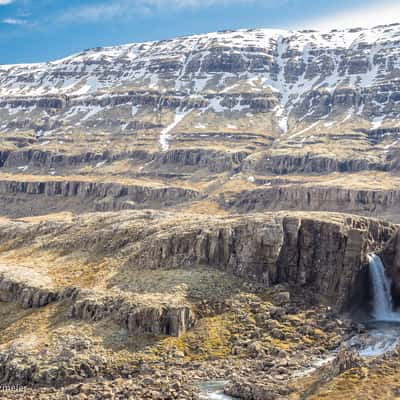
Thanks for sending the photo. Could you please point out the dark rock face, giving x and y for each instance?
(45, 102)
(135, 318)
(3, 157)
(325, 253)
(215, 161)
(269, 162)
(25, 294)
(327, 256)
(38, 196)
(48, 159)
(391, 259)
(368, 202)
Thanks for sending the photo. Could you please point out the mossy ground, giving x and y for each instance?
(380, 381)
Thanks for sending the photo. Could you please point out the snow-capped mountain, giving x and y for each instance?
(268, 83)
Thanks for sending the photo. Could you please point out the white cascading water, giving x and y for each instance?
(382, 297)
(383, 334)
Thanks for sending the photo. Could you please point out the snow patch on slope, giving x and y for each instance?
(165, 133)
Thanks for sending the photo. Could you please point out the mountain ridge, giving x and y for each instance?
(282, 70)
(237, 106)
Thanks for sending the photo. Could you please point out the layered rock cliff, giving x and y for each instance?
(368, 202)
(391, 258)
(328, 256)
(245, 89)
(324, 252)
(30, 197)
(25, 287)
(137, 319)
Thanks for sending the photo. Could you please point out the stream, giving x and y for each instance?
(213, 390)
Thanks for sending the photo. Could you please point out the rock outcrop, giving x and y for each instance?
(137, 319)
(328, 256)
(215, 161)
(325, 253)
(68, 363)
(37, 158)
(38, 196)
(281, 164)
(313, 198)
(26, 287)
(391, 259)
(307, 385)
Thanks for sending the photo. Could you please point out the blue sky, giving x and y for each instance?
(43, 30)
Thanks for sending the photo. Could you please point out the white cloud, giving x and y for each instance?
(13, 21)
(96, 12)
(386, 12)
(116, 8)
(5, 2)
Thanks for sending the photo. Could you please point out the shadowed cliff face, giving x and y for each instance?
(324, 255)
(25, 198)
(391, 259)
(304, 197)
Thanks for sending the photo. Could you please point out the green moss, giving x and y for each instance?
(211, 338)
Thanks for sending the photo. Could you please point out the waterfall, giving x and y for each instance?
(382, 297)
